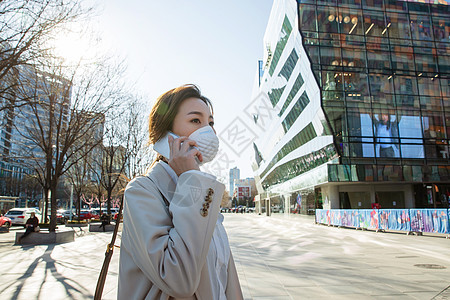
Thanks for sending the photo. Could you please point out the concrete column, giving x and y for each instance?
(287, 204)
(409, 196)
(333, 196)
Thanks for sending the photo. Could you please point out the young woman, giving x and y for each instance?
(174, 245)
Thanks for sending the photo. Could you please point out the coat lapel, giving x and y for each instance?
(162, 180)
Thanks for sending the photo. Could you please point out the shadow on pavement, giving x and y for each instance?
(71, 287)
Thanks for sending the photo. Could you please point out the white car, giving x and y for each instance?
(20, 216)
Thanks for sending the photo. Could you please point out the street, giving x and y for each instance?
(277, 258)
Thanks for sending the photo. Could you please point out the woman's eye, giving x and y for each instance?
(211, 124)
(195, 121)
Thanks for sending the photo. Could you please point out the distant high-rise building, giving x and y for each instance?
(235, 173)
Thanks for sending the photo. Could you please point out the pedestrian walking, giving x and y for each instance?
(173, 242)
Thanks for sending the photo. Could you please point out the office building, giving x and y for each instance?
(362, 99)
(235, 173)
(24, 123)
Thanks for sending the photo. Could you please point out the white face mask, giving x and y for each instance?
(207, 141)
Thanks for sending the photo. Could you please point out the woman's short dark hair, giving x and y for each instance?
(166, 108)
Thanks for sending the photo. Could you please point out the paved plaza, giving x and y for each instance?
(277, 258)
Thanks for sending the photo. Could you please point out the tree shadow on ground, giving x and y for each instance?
(71, 287)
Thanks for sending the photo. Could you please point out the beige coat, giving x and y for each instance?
(164, 247)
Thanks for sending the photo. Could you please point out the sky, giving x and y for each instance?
(214, 44)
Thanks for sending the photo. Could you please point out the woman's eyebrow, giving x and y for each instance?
(199, 113)
(195, 113)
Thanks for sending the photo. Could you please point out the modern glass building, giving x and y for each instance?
(361, 89)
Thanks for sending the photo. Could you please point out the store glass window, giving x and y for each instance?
(431, 103)
(381, 86)
(445, 86)
(330, 56)
(426, 62)
(435, 149)
(447, 122)
(395, 5)
(402, 58)
(375, 24)
(307, 20)
(398, 25)
(354, 200)
(410, 132)
(405, 85)
(327, 19)
(407, 101)
(356, 86)
(385, 127)
(433, 125)
(439, 10)
(331, 81)
(444, 63)
(421, 29)
(313, 53)
(378, 59)
(336, 117)
(391, 199)
(428, 86)
(418, 8)
(359, 122)
(349, 3)
(351, 23)
(441, 29)
(373, 4)
(353, 58)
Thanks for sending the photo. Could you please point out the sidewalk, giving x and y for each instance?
(277, 258)
(282, 257)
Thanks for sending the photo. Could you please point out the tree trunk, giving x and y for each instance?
(52, 227)
(108, 201)
(78, 207)
(45, 206)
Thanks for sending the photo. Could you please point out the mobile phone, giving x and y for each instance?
(162, 146)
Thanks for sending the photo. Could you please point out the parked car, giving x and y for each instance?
(20, 216)
(60, 218)
(5, 221)
(85, 214)
(66, 214)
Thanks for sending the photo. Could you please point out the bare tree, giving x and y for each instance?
(25, 27)
(141, 153)
(58, 133)
(124, 143)
(80, 175)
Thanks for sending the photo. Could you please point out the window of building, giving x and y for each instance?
(327, 19)
(354, 200)
(282, 40)
(391, 199)
(375, 24)
(289, 65)
(421, 30)
(395, 5)
(398, 26)
(441, 29)
(373, 4)
(295, 88)
(350, 22)
(308, 21)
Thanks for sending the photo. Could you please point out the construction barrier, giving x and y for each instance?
(415, 220)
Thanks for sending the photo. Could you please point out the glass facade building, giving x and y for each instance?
(362, 91)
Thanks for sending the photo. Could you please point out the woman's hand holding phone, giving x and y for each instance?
(183, 154)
